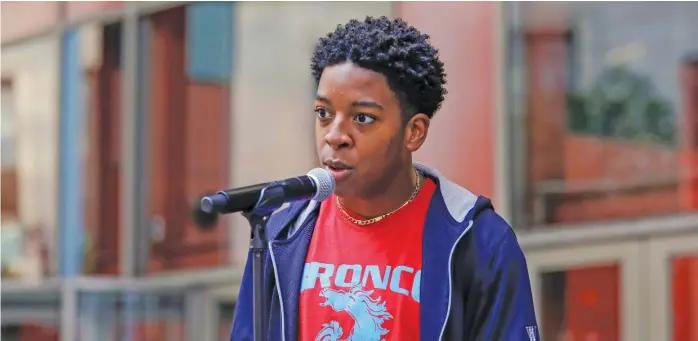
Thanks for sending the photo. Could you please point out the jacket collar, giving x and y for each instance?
(457, 200)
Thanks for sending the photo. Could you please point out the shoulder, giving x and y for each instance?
(490, 231)
(490, 249)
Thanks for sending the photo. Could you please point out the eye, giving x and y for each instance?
(322, 114)
(364, 118)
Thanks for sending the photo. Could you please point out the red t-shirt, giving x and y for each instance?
(362, 283)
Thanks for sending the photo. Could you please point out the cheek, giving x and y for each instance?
(319, 137)
(381, 153)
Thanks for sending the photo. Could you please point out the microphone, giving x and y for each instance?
(317, 185)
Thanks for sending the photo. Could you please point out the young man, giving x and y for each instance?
(399, 252)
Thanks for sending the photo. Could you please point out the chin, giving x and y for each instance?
(342, 191)
(346, 189)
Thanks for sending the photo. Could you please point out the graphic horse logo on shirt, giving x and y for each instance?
(368, 314)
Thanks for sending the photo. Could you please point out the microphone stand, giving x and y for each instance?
(271, 198)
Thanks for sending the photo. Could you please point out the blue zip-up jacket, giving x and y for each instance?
(474, 283)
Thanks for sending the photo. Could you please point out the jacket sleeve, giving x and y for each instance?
(503, 310)
(243, 328)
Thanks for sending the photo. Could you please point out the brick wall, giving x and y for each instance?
(646, 176)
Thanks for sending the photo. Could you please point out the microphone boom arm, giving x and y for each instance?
(318, 185)
(271, 199)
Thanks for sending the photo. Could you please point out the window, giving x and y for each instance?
(209, 41)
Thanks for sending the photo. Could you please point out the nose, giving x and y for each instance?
(337, 136)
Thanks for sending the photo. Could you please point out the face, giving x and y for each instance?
(362, 137)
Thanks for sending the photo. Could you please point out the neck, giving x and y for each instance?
(397, 189)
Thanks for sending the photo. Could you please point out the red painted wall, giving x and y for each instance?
(592, 301)
(461, 137)
(685, 300)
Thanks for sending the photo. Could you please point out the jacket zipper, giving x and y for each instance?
(278, 290)
(278, 284)
(450, 278)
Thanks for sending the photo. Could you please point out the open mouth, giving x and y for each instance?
(339, 170)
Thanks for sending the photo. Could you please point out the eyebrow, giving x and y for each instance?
(370, 104)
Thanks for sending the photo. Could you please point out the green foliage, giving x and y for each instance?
(623, 104)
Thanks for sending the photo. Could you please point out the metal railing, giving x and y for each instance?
(543, 190)
(180, 305)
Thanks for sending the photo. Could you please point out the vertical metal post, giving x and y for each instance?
(69, 311)
(144, 233)
(197, 316)
(233, 222)
(516, 91)
(134, 190)
(134, 187)
(70, 229)
(71, 131)
(502, 155)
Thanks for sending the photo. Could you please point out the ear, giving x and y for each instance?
(416, 131)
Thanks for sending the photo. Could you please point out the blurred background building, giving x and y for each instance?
(580, 120)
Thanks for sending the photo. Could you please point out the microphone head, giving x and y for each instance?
(324, 183)
(204, 215)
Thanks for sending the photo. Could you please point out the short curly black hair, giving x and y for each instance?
(396, 50)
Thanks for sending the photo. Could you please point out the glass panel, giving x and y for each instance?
(30, 104)
(131, 316)
(581, 304)
(605, 111)
(186, 61)
(685, 298)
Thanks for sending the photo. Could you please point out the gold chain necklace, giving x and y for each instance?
(381, 217)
